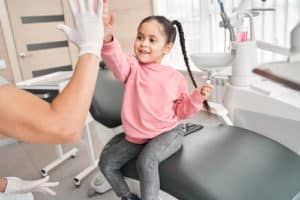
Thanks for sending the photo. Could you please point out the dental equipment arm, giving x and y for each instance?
(235, 20)
(226, 21)
(244, 4)
(278, 79)
(286, 73)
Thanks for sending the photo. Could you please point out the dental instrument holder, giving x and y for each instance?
(227, 25)
(245, 59)
(226, 21)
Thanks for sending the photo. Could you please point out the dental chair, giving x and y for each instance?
(215, 163)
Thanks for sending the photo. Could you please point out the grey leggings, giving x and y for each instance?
(118, 151)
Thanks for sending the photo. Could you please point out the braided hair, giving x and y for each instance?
(170, 31)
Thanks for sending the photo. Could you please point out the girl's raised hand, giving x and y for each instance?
(108, 22)
(206, 90)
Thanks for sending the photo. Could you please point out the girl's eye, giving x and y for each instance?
(152, 40)
(139, 37)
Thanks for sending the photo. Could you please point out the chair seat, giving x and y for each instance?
(228, 163)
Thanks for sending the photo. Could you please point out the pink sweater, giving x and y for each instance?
(155, 96)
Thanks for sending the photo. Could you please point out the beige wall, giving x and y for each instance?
(128, 16)
(6, 73)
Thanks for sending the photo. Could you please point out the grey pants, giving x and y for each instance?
(118, 151)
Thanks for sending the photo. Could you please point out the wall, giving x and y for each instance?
(128, 15)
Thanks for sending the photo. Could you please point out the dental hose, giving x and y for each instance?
(205, 102)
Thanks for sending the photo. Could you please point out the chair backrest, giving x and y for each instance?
(107, 101)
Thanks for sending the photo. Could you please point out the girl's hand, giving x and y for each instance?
(206, 90)
(108, 22)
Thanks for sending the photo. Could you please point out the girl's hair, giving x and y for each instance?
(170, 31)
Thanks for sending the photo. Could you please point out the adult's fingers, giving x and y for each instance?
(36, 183)
(90, 6)
(82, 8)
(46, 190)
(67, 30)
(73, 6)
(50, 184)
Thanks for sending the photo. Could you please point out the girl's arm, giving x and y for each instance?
(116, 60)
(188, 105)
(112, 53)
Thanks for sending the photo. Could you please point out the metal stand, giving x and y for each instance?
(72, 153)
(92, 161)
(61, 158)
(58, 81)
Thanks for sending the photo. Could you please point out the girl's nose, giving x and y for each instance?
(145, 43)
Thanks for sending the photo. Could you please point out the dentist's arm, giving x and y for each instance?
(28, 118)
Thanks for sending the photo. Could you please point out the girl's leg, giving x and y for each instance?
(116, 153)
(157, 150)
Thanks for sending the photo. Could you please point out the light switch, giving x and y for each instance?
(2, 64)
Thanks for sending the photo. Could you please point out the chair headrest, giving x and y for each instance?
(107, 100)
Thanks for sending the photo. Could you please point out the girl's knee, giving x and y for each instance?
(146, 162)
(104, 163)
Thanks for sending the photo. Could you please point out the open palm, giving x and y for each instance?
(108, 21)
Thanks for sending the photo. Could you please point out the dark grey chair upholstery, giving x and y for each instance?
(215, 163)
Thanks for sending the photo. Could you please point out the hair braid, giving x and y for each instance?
(186, 61)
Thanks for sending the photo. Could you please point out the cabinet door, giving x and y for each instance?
(39, 44)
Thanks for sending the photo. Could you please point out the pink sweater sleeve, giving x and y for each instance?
(117, 61)
(188, 105)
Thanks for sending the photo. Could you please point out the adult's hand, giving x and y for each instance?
(17, 185)
(87, 32)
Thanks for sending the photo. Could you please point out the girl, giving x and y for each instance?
(155, 101)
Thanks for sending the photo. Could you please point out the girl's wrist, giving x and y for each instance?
(108, 38)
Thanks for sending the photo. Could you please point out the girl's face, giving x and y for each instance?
(150, 44)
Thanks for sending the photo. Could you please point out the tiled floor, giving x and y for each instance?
(26, 160)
